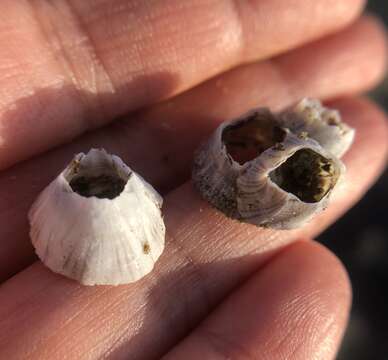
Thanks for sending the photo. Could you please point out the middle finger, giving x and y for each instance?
(70, 66)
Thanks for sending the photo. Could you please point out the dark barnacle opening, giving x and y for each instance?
(306, 174)
(96, 175)
(248, 138)
(103, 186)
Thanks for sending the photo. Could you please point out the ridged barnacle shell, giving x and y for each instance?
(98, 222)
(255, 171)
(320, 123)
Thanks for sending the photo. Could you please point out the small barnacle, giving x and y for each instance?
(321, 123)
(258, 171)
(98, 222)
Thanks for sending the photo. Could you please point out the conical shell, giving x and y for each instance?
(254, 171)
(111, 234)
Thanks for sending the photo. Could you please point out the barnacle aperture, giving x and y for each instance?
(306, 174)
(103, 182)
(248, 138)
(103, 186)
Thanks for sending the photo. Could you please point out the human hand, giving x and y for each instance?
(221, 289)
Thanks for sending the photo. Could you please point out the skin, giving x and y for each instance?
(221, 289)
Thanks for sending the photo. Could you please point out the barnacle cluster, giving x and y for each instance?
(100, 223)
(275, 170)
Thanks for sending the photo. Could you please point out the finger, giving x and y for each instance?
(71, 66)
(206, 257)
(350, 61)
(296, 307)
(174, 129)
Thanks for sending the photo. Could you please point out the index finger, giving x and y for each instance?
(69, 66)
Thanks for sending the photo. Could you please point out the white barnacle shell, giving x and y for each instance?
(257, 172)
(98, 222)
(320, 123)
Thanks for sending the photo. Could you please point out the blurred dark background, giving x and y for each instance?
(360, 240)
